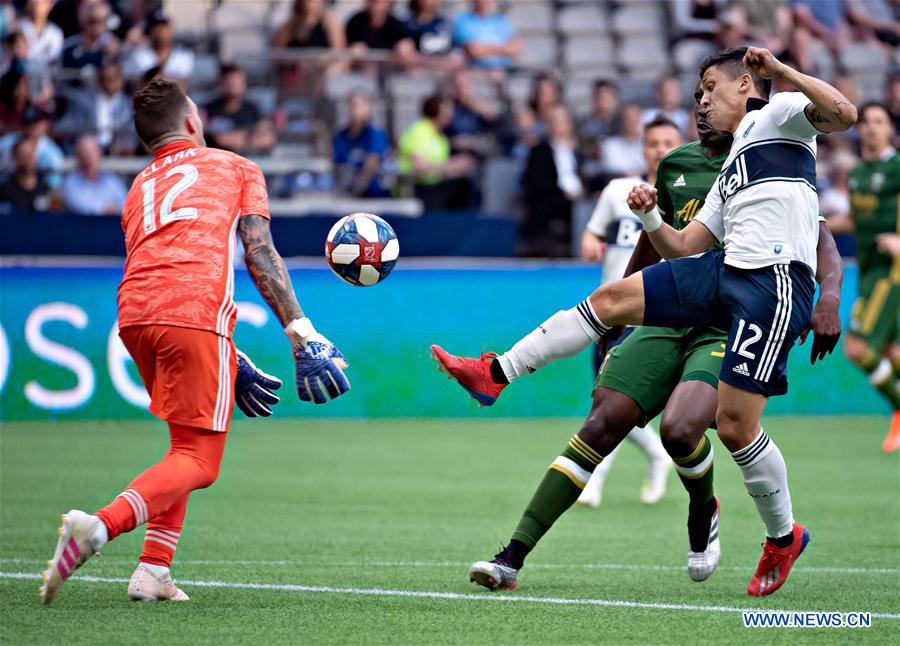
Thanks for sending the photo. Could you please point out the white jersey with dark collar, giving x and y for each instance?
(764, 204)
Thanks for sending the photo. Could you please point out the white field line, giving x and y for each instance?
(461, 564)
(452, 596)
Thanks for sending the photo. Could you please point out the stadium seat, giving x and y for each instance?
(338, 87)
(592, 52)
(690, 52)
(531, 16)
(643, 56)
(637, 18)
(501, 185)
(206, 71)
(581, 19)
(191, 19)
(636, 90)
(862, 57)
(538, 51)
(518, 88)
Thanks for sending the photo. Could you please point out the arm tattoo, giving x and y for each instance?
(838, 114)
(267, 268)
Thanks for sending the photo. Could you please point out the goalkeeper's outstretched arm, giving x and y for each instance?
(267, 269)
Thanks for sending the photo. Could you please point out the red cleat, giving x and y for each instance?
(776, 563)
(892, 441)
(472, 374)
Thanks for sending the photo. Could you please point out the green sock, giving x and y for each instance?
(560, 488)
(696, 472)
(883, 376)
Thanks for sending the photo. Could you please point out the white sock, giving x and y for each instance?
(159, 572)
(598, 477)
(100, 536)
(647, 438)
(765, 476)
(563, 335)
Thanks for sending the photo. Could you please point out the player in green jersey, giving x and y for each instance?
(656, 368)
(873, 341)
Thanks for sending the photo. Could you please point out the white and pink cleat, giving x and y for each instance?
(80, 537)
(147, 586)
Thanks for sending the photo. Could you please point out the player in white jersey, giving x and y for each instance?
(764, 207)
(611, 235)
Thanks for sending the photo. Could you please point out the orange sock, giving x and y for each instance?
(163, 532)
(192, 462)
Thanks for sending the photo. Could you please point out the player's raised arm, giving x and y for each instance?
(829, 111)
(668, 241)
(319, 365)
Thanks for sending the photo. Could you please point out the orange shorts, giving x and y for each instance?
(189, 373)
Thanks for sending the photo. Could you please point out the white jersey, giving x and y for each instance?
(614, 221)
(764, 204)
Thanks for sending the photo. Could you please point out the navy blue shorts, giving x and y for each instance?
(764, 310)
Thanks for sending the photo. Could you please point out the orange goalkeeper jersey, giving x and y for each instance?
(179, 220)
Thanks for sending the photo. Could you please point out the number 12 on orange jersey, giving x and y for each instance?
(189, 175)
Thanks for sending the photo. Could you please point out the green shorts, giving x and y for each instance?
(648, 364)
(876, 313)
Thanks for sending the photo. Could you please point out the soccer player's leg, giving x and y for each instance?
(612, 416)
(873, 332)
(644, 367)
(770, 308)
(152, 579)
(165, 356)
(690, 410)
(563, 335)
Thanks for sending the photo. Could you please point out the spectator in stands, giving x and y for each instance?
(15, 52)
(431, 33)
(695, 17)
(875, 21)
(36, 126)
(45, 39)
(551, 186)
(89, 190)
(360, 150)
(174, 61)
(768, 22)
(533, 119)
(604, 107)
(105, 110)
(622, 154)
(375, 27)
(25, 188)
(473, 120)
(824, 20)
(309, 25)
(834, 198)
(488, 38)
(13, 97)
(442, 180)
(233, 122)
(892, 94)
(93, 42)
(668, 104)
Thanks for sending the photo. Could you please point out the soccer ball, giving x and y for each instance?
(362, 249)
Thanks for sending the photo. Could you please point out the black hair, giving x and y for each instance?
(229, 68)
(731, 61)
(599, 84)
(870, 105)
(431, 107)
(660, 121)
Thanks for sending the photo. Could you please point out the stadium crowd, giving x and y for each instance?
(526, 106)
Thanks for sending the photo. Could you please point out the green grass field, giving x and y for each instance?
(361, 532)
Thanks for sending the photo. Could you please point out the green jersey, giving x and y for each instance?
(683, 179)
(874, 187)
